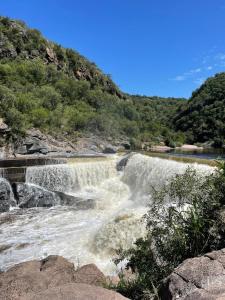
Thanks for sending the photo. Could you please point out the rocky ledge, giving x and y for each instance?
(39, 144)
(54, 278)
(199, 278)
(24, 195)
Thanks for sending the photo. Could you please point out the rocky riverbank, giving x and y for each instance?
(36, 143)
(200, 278)
(54, 278)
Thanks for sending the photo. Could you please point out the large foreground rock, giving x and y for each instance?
(90, 274)
(6, 196)
(74, 291)
(53, 278)
(200, 278)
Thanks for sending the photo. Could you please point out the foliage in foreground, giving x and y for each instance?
(184, 221)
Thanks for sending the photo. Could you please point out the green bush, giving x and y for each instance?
(170, 143)
(184, 221)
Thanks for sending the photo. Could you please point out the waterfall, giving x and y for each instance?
(7, 200)
(92, 235)
(1, 172)
(71, 177)
(143, 173)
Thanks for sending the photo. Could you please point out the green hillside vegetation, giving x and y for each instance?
(202, 118)
(46, 86)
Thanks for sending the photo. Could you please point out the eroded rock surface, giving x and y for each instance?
(200, 278)
(53, 278)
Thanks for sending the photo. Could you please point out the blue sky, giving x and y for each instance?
(151, 47)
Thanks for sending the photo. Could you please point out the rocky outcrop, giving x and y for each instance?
(29, 195)
(38, 144)
(41, 144)
(79, 203)
(200, 278)
(6, 196)
(53, 278)
(121, 164)
(109, 149)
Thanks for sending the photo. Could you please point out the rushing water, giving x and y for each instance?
(87, 236)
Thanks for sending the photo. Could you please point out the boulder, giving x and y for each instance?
(121, 164)
(74, 291)
(6, 196)
(32, 145)
(126, 145)
(35, 276)
(79, 203)
(37, 143)
(30, 195)
(53, 278)
(90, 274)
(197, 279)
(109, 149)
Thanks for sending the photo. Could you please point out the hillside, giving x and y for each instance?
(202, 118)
(21, 43)
(56, 90)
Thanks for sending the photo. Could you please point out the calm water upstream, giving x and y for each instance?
(204, 154)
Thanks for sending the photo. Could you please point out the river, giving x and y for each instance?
(93, 235)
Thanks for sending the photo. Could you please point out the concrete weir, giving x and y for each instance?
(14, 170)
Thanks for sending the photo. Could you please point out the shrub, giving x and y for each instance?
(184, 221)
(170, 143)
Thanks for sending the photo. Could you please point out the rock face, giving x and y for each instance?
(6, 196)
(200, 278)
(37, 143)
(30, 195)
(53, 278)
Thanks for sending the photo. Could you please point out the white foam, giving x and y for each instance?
(88, 236)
